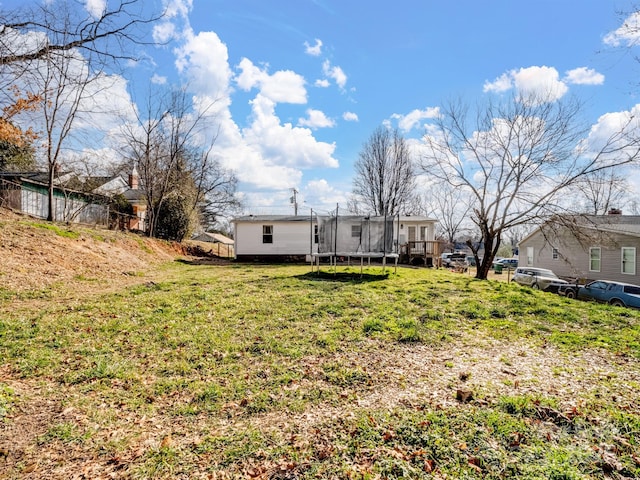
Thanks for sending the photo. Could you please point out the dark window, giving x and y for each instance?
(267, 234)
(554, 254)
(315, 234)
(633, 290)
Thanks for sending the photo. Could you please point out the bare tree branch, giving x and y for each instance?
(384, 181)
(519, 159)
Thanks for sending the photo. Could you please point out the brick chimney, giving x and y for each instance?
(134, 179)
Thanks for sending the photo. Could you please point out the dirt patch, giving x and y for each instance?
(36, 258)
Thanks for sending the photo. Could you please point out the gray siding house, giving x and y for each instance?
(603, 247)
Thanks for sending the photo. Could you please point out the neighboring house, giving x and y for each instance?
(28, 192)
(293, 238)
(77, 199)
(130, 190)
(600, 247)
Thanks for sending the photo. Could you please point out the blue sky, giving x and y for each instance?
(300, 85)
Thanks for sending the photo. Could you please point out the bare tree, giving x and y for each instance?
(517, 160)
(384, 180)
(64, 25)
(215, 187)
(602, 191)
(164, 147)
(58, 52)
(452, 207)
(63, 81)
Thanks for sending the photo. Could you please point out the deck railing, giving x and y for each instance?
(423, 248)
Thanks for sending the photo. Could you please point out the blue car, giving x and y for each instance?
(613, 293)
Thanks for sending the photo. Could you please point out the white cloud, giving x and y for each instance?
(321, 196)
(501, 84)
(334, 73)
(408, 122)
(158, 79)
(204, 60)
(95, 8)
(322, 83)
(283, 86)
(627, 34)
(177, 8)
(313, 50)
(316, 119)
(163, 32)
(615, 131)
(350, 117)
(584, 76)
(539, 82)
(284, 144)
(167, 29)
(265, 153)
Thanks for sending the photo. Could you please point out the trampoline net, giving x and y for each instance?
(356, 234)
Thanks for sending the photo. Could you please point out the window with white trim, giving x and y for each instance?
(267, 234)
(595, 254)
(530, 256)
(628, 259)
(355, 231)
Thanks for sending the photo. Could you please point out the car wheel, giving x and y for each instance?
(535, 286)
(617, 303)
(570, 294)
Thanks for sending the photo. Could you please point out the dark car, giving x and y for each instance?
(614, 293)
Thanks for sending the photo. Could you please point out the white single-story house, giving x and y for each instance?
(602, 247)
(295, 238)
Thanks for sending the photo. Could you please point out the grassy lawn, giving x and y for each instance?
(250, 371)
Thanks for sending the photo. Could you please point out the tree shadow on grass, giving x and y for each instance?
(353, 277)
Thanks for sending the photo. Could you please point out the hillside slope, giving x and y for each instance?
(35, 254)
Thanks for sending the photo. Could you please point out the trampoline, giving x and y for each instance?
(354, 237)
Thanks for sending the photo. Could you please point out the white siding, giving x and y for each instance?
(289, 238)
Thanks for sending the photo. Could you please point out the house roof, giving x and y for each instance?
(620, 224)
(42, 179)
(272, 218)
(306, 218)
(214, 238)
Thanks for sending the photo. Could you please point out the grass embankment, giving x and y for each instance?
(272, 372)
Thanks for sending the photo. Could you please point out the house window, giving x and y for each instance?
(554, 253)
(355, 230)
(423, 233)
(267, 234)
(530, 256)
(594, 259)
(315, 234)
(629, 260)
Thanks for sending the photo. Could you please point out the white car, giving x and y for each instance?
(451, 258)
(538, 278)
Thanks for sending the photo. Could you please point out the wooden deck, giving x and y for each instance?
(424, 251)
